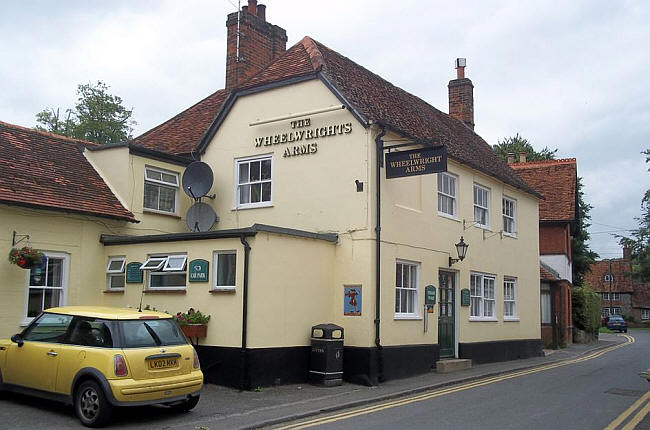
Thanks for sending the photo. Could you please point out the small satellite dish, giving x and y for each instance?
(200, 217)
(197, 179)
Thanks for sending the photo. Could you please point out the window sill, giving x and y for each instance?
(167, 291)
(155, 212)
(449, 217)
(510, 235)
(478, 319)
(407, 318)
(223, 290)
(511, 319)
(261, 205)
(114, 291)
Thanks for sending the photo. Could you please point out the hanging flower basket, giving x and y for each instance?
(195, 330)
(194, 323)
(26, 257)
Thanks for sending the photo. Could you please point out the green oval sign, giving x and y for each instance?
(199, 270)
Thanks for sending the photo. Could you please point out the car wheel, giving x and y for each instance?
(186, 405)
(91, 406)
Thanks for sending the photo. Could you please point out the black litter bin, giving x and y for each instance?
(326, 364)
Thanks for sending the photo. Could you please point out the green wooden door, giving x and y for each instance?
(447, 304)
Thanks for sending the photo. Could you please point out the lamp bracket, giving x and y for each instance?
(20, 238)
(453, 260)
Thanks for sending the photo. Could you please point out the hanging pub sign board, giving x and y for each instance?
(198, 271)
(464, 297)
(416, 162)
(133, 273)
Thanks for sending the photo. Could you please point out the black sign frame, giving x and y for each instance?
(415, 162)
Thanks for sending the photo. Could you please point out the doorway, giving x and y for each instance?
(447, 314)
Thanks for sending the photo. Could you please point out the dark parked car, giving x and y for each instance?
(617, 323)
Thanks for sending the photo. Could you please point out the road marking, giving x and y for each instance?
(454, 389)
(637, 418)
(626, 413)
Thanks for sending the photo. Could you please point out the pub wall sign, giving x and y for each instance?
(416, 162)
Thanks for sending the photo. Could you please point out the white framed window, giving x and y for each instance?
(254, 184)
(46, 286)
(166, 272)
(609, 277)
(447, 194)
(645, 314)
(615, 311)
(605, 296)
(605, 312)
(160, 190)
(509, 298)
(616, 296)
(115, 273)
(407, 276)
(509, 208)
(481, 206)
(225, 269)
(482, 298)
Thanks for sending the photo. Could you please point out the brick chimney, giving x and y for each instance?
(258, 44)
(627, 253)
(522, 157)
(511, 157)
(461, 96)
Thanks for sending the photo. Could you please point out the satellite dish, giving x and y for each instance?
(200, 217)
(197, 179)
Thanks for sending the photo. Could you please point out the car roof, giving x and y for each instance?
(107, 312)
(615, 317)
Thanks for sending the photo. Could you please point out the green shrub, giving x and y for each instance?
(629, 318)
(586, 309)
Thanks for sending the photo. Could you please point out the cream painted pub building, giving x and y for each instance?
(309, 228)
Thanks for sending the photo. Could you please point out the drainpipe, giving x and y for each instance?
(242, 356)
(380, 163)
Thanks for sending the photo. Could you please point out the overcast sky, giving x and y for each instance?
(570, 75)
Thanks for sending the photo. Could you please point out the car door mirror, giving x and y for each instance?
(18, 339)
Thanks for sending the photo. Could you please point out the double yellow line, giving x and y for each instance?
(456, 389)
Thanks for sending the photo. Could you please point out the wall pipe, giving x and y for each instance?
(243, 373)
(380, 163)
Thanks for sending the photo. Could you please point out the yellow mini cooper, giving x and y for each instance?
(99, 358)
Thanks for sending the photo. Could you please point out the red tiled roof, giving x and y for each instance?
(180, 134)
(49, 171)
(545, 275)
(622, 271)
(556, 180)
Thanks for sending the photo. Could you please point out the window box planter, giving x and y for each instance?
(195, 330)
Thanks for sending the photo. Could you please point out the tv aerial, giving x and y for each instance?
(197, 181)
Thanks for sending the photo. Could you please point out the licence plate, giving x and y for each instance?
(163, 363)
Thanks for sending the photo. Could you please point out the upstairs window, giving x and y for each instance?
(160, 190)
(609, 277)
(616, 296)
(481, 206)
(254, 182)
(509, 216)
(605, 296)
(115, 273)
(166, 272)
(447, 194)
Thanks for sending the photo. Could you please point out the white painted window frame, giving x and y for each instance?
(65, 280)
(215, 271)
(159, 270)
(505, 200)
(161, 183)
(114, 273)
(645, 314)
(510, 282)
(477, 205)
(453, 197)
(616, 296)
(248, 160)
(483, 297)
(412, 291)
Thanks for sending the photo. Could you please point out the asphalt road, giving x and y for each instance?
(586, 394)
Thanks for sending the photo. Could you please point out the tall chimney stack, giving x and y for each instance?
(461, 95)
(252, 43)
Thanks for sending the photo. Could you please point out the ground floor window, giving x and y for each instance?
(46, 285)
(225, 267)
(545, 304)
(615, 311)
(115, 273)
(645, 314)
(509, 298)
(605, 312)
(166, 272)
(482, 300)
(406, 288)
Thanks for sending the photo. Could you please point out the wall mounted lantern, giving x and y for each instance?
(461, 249)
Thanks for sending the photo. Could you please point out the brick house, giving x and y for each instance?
(557, 181)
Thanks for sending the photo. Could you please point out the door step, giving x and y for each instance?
(453, 365)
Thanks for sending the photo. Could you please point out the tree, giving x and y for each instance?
(583, 257)
(639, 239)
(517, 144)
(98, 117)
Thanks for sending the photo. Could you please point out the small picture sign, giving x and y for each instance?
(133, 273)
(352, 301)
(464, 297)
(199, 270)
(429, 295)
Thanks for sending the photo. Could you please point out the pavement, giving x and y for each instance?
(223, 407)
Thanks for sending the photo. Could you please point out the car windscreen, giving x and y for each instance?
(151, 333)
(616, 318)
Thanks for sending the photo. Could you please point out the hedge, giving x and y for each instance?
(586, 309)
